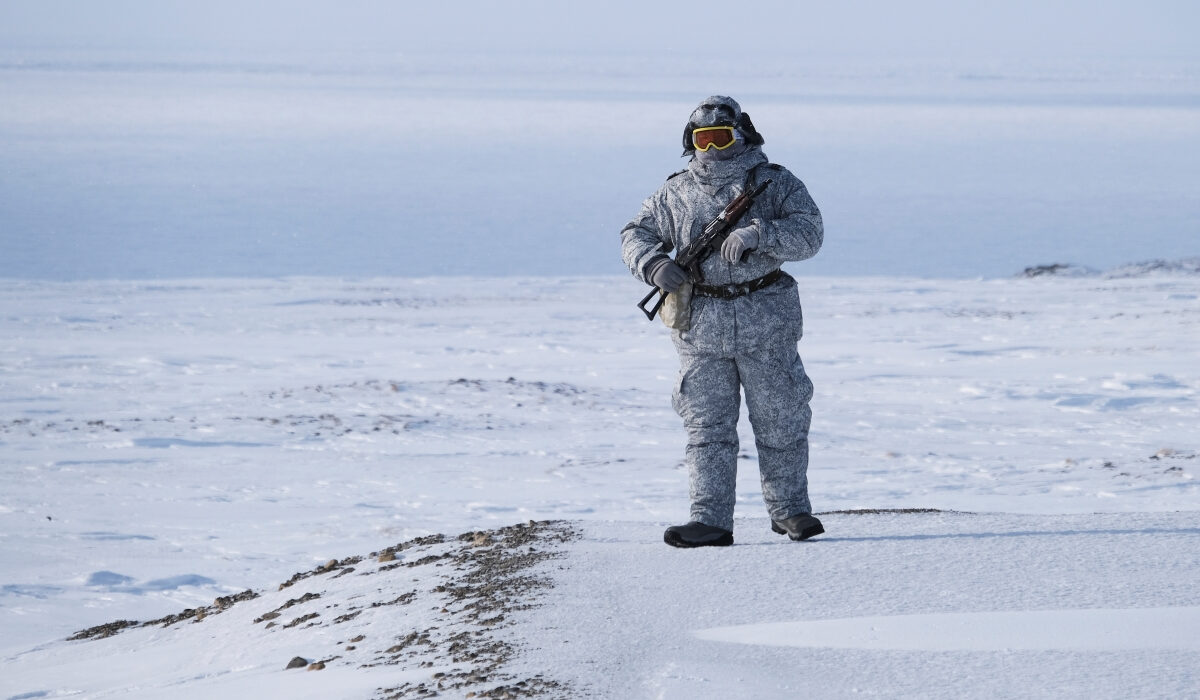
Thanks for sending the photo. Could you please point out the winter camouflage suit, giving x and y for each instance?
(749, 341)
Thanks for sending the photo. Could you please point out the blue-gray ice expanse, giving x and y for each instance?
(484, 148)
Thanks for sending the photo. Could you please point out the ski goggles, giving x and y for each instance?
(718, 137)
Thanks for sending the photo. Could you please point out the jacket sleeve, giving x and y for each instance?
(642, 241)
(797, 232)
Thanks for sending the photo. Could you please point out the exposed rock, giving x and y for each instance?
(347, 617)
(297, 662)
(108, 629)
(331, 565)
(302, 619)
(1058, 270)
(1149, 268)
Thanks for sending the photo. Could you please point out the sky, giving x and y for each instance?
(1020, 28)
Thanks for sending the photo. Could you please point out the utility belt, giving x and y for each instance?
(733, 291)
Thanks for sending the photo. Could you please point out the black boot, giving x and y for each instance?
(696, 534)
(798, 527)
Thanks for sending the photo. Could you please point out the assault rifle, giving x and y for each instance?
(693, 254)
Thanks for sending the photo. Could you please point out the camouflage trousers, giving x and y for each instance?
(708, 399)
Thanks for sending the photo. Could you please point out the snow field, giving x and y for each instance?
(166, 443)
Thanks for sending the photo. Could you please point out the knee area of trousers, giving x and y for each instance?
(721, 434)
(781, 443)
(784, 429)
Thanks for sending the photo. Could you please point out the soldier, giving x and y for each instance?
(743, 323)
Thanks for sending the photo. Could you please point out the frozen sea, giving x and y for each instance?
(167, 164)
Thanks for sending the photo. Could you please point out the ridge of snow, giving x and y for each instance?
(412, 620)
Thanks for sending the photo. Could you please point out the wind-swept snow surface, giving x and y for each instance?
(915, 605)
(1084, 629)
(166, 444)
(896, 604)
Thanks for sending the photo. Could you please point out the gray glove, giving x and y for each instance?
(738, 242)
(666, 275)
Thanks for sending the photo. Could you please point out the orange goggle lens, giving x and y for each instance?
(719, 137)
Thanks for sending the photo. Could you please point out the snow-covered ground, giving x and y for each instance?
(165, 444)
(943, 605)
